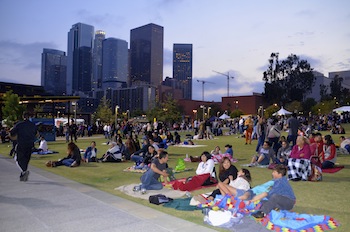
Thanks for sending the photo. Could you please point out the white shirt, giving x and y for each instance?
(205, 167)
(240, 183)
(43, 145)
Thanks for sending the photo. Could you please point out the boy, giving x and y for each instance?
(281, 195)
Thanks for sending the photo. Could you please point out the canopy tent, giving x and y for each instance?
(224, 116)
(282, 111)
(342, 109)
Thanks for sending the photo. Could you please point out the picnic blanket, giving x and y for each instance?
(189, 145)
(194, 184)
(258, 166)
(294, 222)
(333, 170)
(299, 168)
(44, 152)
(128, 190)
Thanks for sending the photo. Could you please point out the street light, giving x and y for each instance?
(116, 114)
(203, 107)
(75, 110)
(209, 108)
(236, 104)
(195, 114)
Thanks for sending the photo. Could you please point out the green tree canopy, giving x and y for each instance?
(167, 111)
(12, 111)
(104, 112)
(287, 80)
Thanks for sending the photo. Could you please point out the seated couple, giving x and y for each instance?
(205, 175)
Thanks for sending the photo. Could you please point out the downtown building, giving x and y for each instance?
(97, 62)
(54, 71)
(79, 59)
(182, 69)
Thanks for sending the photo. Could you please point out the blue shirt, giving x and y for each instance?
(281, 187)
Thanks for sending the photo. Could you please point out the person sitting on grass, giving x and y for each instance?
(239, 186)
(42, 145)
(142, 162)
(113, 154)
(90, 153)
(329, 155)
(344, 145)
(149, 180)
(73, 158)
(281, 195)
(265, 153)
(283, 153)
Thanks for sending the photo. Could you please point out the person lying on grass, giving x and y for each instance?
(281, 195)
(73, 158)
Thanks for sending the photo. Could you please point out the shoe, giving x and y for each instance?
(24, 176)
(136, 188)
(259, 214)
(143, 191)
(74, 164)
(49, 164)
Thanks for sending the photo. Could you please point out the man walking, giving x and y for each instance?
(293, 126)
(25, 132)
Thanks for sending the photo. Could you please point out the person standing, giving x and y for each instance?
(293, 126)
(26, 133)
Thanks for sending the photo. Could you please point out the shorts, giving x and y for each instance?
(241, 192)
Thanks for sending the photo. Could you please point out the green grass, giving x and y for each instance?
(328, 197)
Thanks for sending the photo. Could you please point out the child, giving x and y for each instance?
(281, 195)
(264, 155)
(239, 186)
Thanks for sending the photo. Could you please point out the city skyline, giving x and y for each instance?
(234, 37)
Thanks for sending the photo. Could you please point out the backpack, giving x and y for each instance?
(159, 199)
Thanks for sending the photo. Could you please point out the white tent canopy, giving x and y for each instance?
(282, 111)
(224, 116)
(342, 109)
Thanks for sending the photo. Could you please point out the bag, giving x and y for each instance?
(275, 132)
(159, 199)
(316, 173)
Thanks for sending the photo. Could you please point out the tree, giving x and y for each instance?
(288, 80)
(294, 106)
(12, 111)
(104, 112)
(167, 111)
(308, 104)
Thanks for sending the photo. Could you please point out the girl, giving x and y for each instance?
(239, 186)
(329, 152)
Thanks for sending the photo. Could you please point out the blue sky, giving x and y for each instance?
(227, 35)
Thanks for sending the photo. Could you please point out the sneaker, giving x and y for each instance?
(24, 176)
(136, 188)
(259, 214)
(143, 191)
(74, 164)
(49, 163)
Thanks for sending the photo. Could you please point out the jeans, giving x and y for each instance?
(137, 159)
(327, 164)
(68, 162)
(277, 201)
(261, 140)
(149, 182)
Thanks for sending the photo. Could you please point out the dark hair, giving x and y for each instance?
(221, 167)
(228, 145)
(281, 169)
(207, 154)
(71, 146)
(328, 139)
(247, 175)
(162, 154)
(268, 143)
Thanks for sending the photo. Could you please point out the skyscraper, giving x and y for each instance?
(79, 59)
(53, 71)
(182, 68)
(146, 55)
(114, 63)
(97, 61)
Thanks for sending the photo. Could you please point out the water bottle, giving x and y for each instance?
(186, 156)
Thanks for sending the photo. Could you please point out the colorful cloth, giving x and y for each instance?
(219, 157)
(294, 222)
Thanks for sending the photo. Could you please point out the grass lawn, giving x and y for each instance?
(327, 197)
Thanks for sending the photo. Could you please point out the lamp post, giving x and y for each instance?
(236, 104)
(195, 114)
(75, 110)
(209, 108)
(203, 107)
(116, 114)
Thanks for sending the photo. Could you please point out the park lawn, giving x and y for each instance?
(327, 197)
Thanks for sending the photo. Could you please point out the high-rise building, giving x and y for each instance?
(97, 61)
(79, 59)
(146, 55)
(114, 63)
(54, 71)
(182, 68)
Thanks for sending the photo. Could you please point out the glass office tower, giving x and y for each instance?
(182, 68)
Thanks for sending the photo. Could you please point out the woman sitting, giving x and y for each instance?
(217, 156)
(113, 154)
(205, 175)
(329, 155)
(227, 173)
(299, 165)
(283, 153)
(73, 158)
(238, 187)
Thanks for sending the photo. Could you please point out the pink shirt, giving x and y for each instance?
(296, 152)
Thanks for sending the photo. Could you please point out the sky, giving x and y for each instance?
(228, 36)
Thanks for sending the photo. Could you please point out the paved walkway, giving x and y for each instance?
(48, 202)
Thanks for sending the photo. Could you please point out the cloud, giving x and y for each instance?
(100, 20)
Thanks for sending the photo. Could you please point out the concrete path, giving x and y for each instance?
(48, 202)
